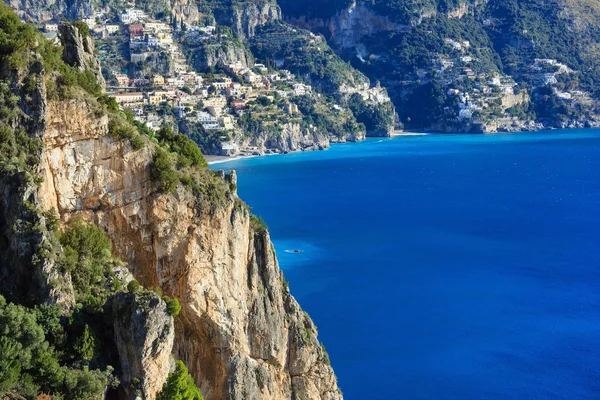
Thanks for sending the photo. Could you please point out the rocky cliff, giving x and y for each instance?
(240, 331)
(349, 26)
(47, 10)
(144, 334)
(66, 161)
(294, 137)
(79, 51)
(203, 56)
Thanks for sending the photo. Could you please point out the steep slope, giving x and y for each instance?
(427, 51)
(240, 332)
(250, 31)
(69, 159)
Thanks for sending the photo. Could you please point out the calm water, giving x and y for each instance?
(445, 267)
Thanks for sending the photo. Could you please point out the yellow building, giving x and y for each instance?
(158, 80)
(155, 98)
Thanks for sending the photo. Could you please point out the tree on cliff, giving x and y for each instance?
(180, 386)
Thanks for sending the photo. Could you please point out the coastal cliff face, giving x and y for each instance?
(293, 137)
(350, 25)
(247, 19)
(241, 333)
(204, 56)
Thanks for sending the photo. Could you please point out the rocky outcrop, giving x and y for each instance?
(28, 249)
(293, 137)
(79, 51)
(204, 56)
(245, 20)
(144, 335)
(241, 333)
(39, 11)
(185, 12)
(349, 26)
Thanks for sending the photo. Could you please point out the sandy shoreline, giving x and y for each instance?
(211, 160)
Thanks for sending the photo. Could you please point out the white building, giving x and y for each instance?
(153, 41)
(208, 121)
(132, 16)
(112, 28)
(51, 28)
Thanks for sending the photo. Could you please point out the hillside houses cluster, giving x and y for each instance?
(215, 101)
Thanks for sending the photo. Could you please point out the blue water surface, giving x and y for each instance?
(444, 266)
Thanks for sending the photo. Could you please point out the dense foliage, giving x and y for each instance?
(375, 117)
(504, 36)
(31, 363)
(180, 386)
(88, 259)
(66, 355)
(305, 56)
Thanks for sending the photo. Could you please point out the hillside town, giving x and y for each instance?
(148, 73)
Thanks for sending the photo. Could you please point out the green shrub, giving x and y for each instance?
(162, 171)
(180, 386)
(52, 219)
(258, 224)
(30, 365)
(173, 306)
(137, 143)
(109, 102)
(134, 287)
(86, 345)
(83, 28)
(87, 257)
(189, 153)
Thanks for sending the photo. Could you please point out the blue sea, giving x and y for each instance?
(444, 266)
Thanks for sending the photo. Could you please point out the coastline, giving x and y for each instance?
(213, 160)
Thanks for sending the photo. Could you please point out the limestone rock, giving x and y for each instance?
(240, 332)
(79, 51)
(46, 10)
(144, 334)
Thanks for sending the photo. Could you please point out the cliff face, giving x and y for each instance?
(349, 26)
(240, 331)
(245, 20)
(144, 334)
(47, 10)
(204, 56)
(293, 137)
(79, 51)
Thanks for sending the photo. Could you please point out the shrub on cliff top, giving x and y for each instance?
(189, 153)
(162, 171)
(133, 287)
(123, 131)
(173, 306)
(258, 224)
(180, 386)
(82, 27)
